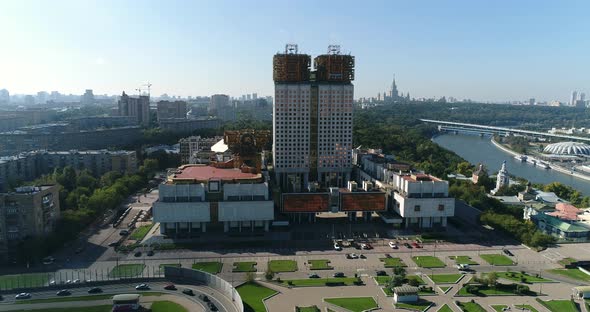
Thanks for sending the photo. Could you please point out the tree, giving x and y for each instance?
(67, 178)
(269, 274)
(464, 168)
(85, 179)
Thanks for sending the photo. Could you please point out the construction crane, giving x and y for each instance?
(148, 85)
(138, 91)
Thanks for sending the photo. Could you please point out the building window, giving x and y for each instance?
(441, 207)
(417, 208)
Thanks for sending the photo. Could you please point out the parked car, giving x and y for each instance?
(507, 252)
(23, 296)
(52, 283)
(48, 260)
(353, 256)
(1, 298)
(314, 275)
(408, 245)
(142, 287)
(64, 292)
(95, 290)
(362, 256)
(337, 247)
(416, 245)
(204, 298)
(381, 273)
(338, 274)
(463, 267)
(76, 281)
(170, 287)
(123, 232)
(187, 291)
(387, 256)
(212, 306)
(150, 253)
(137, 254)
(114, 244)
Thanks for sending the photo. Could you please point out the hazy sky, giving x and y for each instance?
(480, 49)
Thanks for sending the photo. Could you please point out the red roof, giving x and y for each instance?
(205, 173)
(566, 212)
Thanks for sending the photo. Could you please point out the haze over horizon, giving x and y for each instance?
(492, 51)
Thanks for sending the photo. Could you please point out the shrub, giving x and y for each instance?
(522, 289)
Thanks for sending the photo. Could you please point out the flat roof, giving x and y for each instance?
(205, 173)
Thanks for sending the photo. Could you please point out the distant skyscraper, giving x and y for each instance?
(87, 98)
(167, 109)
(393, 92)
(139, 108)
(574, 98)
(532, 101)
(312, 118)
(4, 96)
(582, 96)
(254, 96)
(42, 97)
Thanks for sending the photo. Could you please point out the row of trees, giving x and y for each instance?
(83, 198)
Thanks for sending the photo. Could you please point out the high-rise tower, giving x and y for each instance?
(312, 118)
(393, 93)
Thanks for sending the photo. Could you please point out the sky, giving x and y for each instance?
(489, 50)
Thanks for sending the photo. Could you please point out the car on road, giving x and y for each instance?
(64, 292)
(387, 256)
(188, 292)
(408, 245)
(124, 232)
(507, 252)
(416, 245)
(212, 306)
(366, 246)
(48, 260)
(362, 256)
(150, 253)
(23, 296)
(52, 283)
(314, 275)
(393, 245)
(68, 281)
(463, 267)
(76, 281)
(1, 298)
(142, 287)
(352, 256)
(338, 274)
(381, 273)
(204, 298)
(114, 244)
(137, 254)
(95, 290)
(337, 247)
(170, 287)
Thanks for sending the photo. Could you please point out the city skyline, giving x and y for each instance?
(488, 52)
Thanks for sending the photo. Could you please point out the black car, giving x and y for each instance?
(137, 254)
(408, 245)
(1, 298)
(187, 291)
(212, 306)
(204, 298)
(314, 276)
(387, 256)
(150, 253)
(64, 292)
(114, 244)
(508, 252)
(338, 274)
(362, 256)
(95, 290)
(381, 273)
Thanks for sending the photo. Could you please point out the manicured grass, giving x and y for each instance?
(572, 273)
(127, 270)
(307, 309)
(167, 306)
(518, 277)
(141, 232)
(319, 282)
(470, 307)
(282, 265)
(526, 306)
(499, 290)
(499, 307)
(393, 262)
(417, 278)
(444, 288)
(445, 278)
(463, 260)
(559, 305)
(497, 259)
(566, 261)
(421, 305)
(244, 267)
(382, 280)
(209, 267)
(388, 291)
(176, 265)
(80, 298)
(322, 264)
(354, 304)
(428, 262)
(252, 295)
(445, 308)
(25, 280)
(101, 308)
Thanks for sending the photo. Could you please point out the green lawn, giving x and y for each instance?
(463, 260)
(445, 278)
(161, 267)
(444, 308)
(428, 262)
(444, 288)
(101, 308)
(417, 278)
(212, 267)
(470, 307)
(393, 262)
(353, 304)
(141, 232)
(127, 270)
(526, 306)
(421, 305)
(282, 265)
(499, 307)
(388, 292)
(559, 305)
(167, 306)
(322, 264)
(80, 298)
(572, 273)
(307, 309)
(517, 276)
(497, 259)
(244, 267)
(499, 290)
(25, 280)
(319, 282)
(252, 295)
(382, 280)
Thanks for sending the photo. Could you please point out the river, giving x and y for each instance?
(477, 149)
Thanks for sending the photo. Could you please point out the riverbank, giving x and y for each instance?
(553, 166)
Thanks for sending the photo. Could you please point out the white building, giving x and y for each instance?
(502, 179)
(196, 197)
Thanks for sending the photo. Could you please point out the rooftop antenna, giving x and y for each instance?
(148, 85)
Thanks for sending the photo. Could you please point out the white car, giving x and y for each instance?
(68, 281)
(393, 245)
(337, 247)
(354, 256)
(76, 281)
(142, 287)
(463, 267)
(23, 296)
(52, 282)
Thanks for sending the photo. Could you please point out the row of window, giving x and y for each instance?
(439, 208)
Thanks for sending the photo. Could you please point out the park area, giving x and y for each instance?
(141, 232)
(244, 267)
(463, 260)
(497, 259)
(576, 274)
(445, 278)
(357, 304)
(421, 305)
(25, 280)
(392, 262)
(470, 307)
(253, 295)
(322, 264)
(428, 262)
(127, 270)
(213, 267)
(282, 266)
(559, 305)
